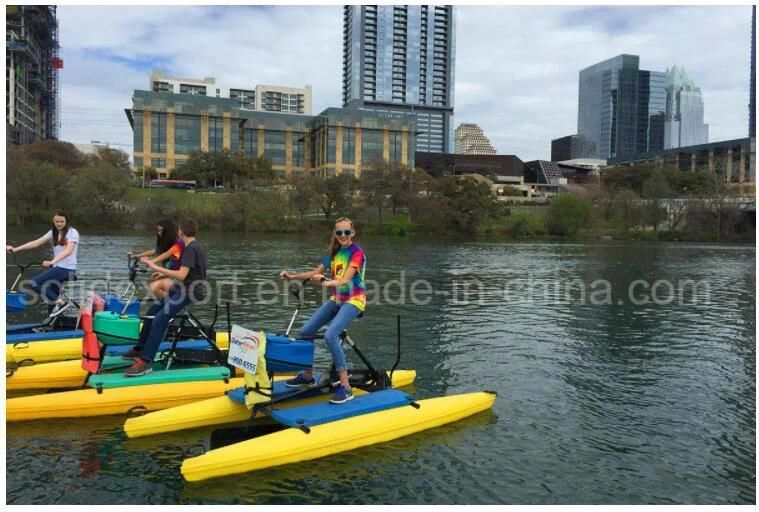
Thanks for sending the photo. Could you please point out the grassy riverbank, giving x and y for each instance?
(97, 192)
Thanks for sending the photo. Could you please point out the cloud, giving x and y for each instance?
(516, 67)
(531, 58)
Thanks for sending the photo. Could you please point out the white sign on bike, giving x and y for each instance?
(243, 348)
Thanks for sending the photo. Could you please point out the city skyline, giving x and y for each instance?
(521, 104)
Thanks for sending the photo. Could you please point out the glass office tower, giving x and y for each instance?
(652, 104)
(621, 108)
(684, 124)
(401, 58)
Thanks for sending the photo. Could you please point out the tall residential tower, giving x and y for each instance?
(401, 58)
(470, 140)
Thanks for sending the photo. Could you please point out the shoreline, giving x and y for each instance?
(313, 230)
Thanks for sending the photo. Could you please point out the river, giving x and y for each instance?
(625, 373)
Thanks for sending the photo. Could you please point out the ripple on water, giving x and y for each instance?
(597, 403)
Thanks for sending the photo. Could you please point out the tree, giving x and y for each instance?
(262, 171)
(567, 213)
(206, 168)
(401, 187)
(266, 210)
(421, 194)
(117, 158)
(656, 191)
(376, 184)
(336, 193)
(719, 199)
(150, 173)
(35, 189)
(621, 177)
(466, 203)
(60, 154)
(625, 209)
(603, 198)
(236, 171)
(252, 172)
(97, 190)
(303, 193)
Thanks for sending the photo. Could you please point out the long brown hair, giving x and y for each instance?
(334, 245)
(60, 238)
(168, 236)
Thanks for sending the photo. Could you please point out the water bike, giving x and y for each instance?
(232, 408)
(58, 337)
(16, 301)
(114, 334)
(313, 430)
(55, 321)
(289, 425)
(182, 373)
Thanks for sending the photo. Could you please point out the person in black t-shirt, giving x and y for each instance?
(190, 288)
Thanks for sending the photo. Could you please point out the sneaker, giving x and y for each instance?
(132, 353)
(342, 395)
(139, 367)
(300, 381)
(59, 308)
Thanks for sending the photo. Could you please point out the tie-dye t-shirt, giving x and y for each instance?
(175, 259)
(353, 292)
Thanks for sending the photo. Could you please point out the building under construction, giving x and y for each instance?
(32, 108)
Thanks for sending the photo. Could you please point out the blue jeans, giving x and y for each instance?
(341, 316)
(48, 284)
(154, 331)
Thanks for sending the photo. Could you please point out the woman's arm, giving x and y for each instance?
(28, 245)
(66, 253)
(303, 275)
(347, 276)
(161, 257)
(149, 252)
(180, 274)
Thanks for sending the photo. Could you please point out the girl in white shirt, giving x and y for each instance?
(62, 267)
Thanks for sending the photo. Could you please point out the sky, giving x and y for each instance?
(516, 66)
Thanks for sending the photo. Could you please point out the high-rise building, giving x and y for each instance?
(684, 122)
(270, 98)
(32, 107)
(469, 140)
(621, 108)
(401, 58)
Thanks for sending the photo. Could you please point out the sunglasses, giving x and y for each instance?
(343, 232)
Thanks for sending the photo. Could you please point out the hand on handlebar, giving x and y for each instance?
(284, 275)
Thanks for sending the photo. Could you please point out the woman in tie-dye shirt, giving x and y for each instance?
(345, 264)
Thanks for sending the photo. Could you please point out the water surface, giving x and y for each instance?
(611, 400)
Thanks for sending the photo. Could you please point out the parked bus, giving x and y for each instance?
(179, 184)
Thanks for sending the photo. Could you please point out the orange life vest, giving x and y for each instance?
(90, 344)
